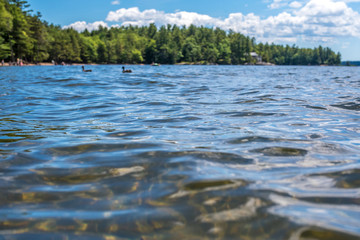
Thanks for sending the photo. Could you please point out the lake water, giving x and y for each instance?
(180, 152)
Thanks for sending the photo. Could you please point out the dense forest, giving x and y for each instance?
(351, 63)
(23, 35)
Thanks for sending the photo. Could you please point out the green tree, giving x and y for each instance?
(151, 51)
(40, 38)
(152, 30)
(237, 47)
(211, 53)
(23, 43)
(224, 52)
(6, 20)
(26, 36)
(88, 49)
(316, 59)
(136, 56)
(102, 52)
(191, 51)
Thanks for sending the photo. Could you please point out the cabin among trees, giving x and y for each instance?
(256, 57)
(24, 35)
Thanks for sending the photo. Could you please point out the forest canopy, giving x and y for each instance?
(23, 35)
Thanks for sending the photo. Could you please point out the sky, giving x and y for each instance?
(305, 23)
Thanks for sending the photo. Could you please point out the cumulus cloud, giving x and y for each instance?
(115, 2)
(277, 4)
(329, 18)
(320, 19)
(313, 20)
(295, 4)
(133, 16)
(80, 26)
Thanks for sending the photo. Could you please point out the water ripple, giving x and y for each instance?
(179, 152)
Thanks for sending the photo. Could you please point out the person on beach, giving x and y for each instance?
(2, 62)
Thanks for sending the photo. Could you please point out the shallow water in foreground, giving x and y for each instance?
(180, 152)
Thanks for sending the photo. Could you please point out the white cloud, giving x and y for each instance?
(320, 19)
(315, 20)
(133, 16)
(295, 4)
(329, 18)
(115, 2)
(277, 4)
(82, 25)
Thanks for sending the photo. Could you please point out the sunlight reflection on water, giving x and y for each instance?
(180, 152)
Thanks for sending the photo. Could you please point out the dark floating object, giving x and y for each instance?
(281, 152)
(348, 106)
(126, 70)
(202, 185)
(85, 70)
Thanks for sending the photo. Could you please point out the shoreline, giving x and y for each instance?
(50, 64)
(143, 64)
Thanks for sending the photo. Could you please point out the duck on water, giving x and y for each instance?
(85, 70)
(126, 70)
(123, 70)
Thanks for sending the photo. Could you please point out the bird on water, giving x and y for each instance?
(126, 70)
(85, 70)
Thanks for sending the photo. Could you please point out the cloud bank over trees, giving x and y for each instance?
(313, 20)
(25, 36)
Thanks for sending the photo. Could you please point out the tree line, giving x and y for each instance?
(23, 35)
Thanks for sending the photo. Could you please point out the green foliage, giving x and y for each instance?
(88, 49)
(102, 52)
(5, 17)
(26, 36)
(4, 49)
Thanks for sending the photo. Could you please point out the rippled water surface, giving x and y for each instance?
(180, 152)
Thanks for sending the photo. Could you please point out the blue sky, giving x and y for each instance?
(306, 23)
